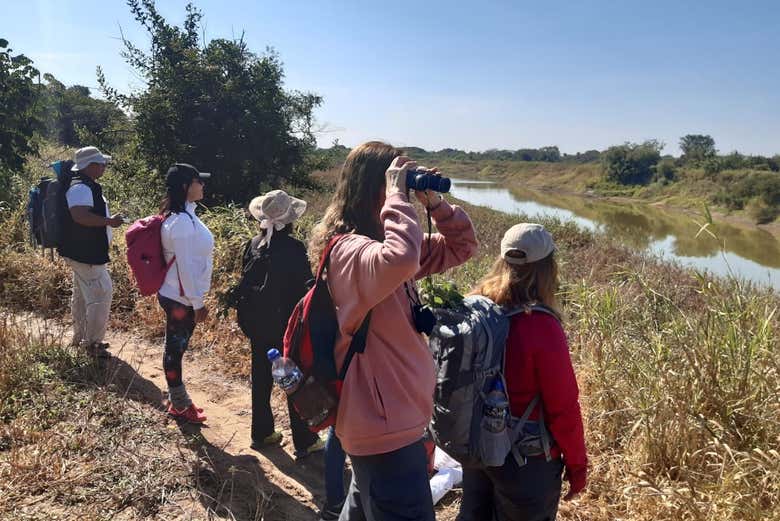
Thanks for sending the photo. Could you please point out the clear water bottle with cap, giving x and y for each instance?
(496, 407)
(284, 371)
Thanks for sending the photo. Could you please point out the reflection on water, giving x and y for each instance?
(750, 253)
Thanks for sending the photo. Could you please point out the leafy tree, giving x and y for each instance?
(549, 154)
(665, 171)
(632, 163)
(697, 147)
(216, 105)
(71, 110)
(589, 156)
(18, 114)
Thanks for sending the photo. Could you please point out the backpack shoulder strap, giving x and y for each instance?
(192, 219)
(541, 308)
(325, 258)
(173, 259)
(358, 343)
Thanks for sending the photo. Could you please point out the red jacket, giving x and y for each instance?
(538, 362)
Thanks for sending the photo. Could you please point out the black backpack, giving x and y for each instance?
(254, 292)
(47, 206)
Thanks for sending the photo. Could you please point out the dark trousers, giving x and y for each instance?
(512, 493)
(390, 487)
(262, 415)
(179, 325)
(335, 458)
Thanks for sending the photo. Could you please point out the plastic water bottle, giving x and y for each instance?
(284, 371)
(496, 407)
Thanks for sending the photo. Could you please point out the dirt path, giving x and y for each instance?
(238, 482)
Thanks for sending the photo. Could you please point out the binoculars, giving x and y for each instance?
(420, 180)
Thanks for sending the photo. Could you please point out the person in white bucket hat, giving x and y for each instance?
(274, 211)
(85, 244)
(87, 156)
(275, 275)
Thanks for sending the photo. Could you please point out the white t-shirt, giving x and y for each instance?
(80, 195)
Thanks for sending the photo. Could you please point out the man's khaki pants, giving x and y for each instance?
(91, 302)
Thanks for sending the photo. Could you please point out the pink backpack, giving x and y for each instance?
(145, 254)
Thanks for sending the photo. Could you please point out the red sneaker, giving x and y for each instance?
(191, 414)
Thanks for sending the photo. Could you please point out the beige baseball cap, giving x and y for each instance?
(531, 240)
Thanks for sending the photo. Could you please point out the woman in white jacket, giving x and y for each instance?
(188, 245)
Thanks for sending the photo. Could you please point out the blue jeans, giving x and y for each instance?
(335, 458)
(390, 487)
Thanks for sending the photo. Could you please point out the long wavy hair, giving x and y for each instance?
(513, 285)
(357, 202)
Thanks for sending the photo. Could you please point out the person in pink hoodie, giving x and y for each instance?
(387, 397)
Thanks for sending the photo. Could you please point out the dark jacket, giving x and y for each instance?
(87, 244)
(274, 278)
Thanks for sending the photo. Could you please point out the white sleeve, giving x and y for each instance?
(79, 195)
(182, 236)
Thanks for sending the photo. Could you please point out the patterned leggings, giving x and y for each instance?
(179, 326)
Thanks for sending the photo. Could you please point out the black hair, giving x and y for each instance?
(175, 199)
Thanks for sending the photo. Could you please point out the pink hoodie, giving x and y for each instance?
(387, 398)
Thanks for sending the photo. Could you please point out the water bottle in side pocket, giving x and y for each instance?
(494, 437)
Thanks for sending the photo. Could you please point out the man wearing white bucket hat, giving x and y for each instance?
(275, 275)
(85, 242)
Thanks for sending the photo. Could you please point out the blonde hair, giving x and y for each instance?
(513, 286)
(356, 204)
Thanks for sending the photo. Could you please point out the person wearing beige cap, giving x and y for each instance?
(540, 379)
(85, 242)
(275, 273)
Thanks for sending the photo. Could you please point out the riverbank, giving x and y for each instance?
(689, 195)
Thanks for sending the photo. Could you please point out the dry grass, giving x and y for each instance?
(85, 440)
(72, 446)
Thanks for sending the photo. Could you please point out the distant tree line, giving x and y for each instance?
(550, 154)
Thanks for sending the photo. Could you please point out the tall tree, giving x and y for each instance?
(71, 111)
(216, 105)
(632, 163)
(18, 114)
(697, 147)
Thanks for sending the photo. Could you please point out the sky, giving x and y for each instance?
(471, 75)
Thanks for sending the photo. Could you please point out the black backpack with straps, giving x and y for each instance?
(251, 296)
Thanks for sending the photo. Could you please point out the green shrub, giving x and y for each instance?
(665, 171)
(760, 211)
(631, 163)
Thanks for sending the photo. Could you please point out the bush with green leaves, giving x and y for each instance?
(438, 293)
(665, 171)
(631, 163)
(697, 147)
(19, 120)
(76, 119)
(216, 105)
(758, 192)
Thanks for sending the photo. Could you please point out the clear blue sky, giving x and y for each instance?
(473, 75)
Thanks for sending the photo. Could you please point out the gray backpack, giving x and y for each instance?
(468, 346)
